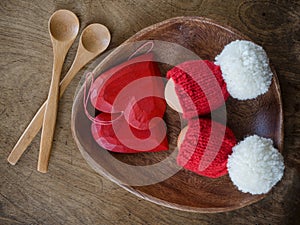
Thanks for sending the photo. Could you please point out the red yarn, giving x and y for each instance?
(204, 98)
(106, 137)
(195, 144)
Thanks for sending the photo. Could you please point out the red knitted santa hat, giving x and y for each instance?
(194, 150)
(199, 86)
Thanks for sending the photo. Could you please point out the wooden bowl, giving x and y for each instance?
(185, 190)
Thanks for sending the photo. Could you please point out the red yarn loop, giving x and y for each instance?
(86, 96)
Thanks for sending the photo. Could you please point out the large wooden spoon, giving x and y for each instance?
(94, 39)
(63, 28)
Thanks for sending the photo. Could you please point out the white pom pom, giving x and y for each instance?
(245, 69)
(255, 166)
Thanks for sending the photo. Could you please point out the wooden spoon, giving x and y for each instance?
(94, 40)
(63, 28)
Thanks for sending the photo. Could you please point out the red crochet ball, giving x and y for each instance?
(194, 147)
(106, 137)
(200, 87)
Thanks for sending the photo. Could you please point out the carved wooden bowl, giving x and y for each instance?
(184, 190)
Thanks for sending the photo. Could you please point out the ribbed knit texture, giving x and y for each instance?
(198, 99)
(195, 144)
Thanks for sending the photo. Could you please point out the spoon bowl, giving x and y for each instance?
(90, 38)
(63, 25)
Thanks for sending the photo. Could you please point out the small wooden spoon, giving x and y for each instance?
(94, 40)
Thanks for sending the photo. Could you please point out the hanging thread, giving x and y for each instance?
(141, 47)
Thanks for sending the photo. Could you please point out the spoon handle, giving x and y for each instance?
(37, 121)
(51, 110)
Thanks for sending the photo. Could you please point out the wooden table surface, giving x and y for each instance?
(71, 192)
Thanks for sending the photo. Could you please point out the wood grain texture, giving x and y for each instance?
(72, 193)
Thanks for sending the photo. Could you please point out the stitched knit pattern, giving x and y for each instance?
(195, 144)
(199, 86)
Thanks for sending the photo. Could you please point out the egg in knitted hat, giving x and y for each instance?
(195, 88)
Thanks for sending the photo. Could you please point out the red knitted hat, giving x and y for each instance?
(199, 86)
(194, 147)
